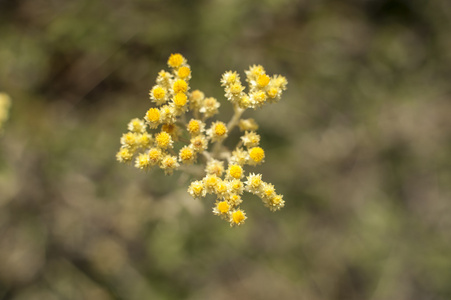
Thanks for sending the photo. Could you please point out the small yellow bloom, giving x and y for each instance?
(223, 207)
(258, 99)
(210, 182)
(217, 131)
(176, 60)
(237, 217)
(210, 107)
(158, 94)
(256, 155)
(262, 80)
(187, 155)
(169, 164)
(184, 72)
(180, 86)
(195, 127)
(229, 78)
(199, 143)
(250, 139)
(153, 117)
(236, 186)
(180, 100)
(234, 200)
(235, 171)
(215, 167)
(129, 139)
(221, 188)
(136, 125)
(253, 183)
(142, 161)
(155, 156)
(124, 155)
(197, 189)
(143, 140)
(163, 140)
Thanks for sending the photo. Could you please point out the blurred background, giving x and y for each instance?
(360, 147)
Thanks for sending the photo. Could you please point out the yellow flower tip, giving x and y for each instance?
(263, 80)
(238, 217)
(273, 92)
(180, 86)
(168, 164)
(257, 154)
(221, 188)
(142, 161)
(197, 96)
(153, 115)
(276, 203)
(235, 171)
(124, 155)
(176, 60)
(143, 140)
(136, 125)
(258, 99)
(163, 140)
(180, 100)
(155, 155)
(199, 143)
(210, 182)
(215, 167)
(187, 154)
(220, 129)
(223, 207)
(158, 92)
(194, 126)
(236, 88)
(184, 72)
(129, 139)
(234, 200)
(197, 189)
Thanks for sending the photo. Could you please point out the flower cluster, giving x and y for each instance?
(177, 131)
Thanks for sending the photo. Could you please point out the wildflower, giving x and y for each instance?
(153, 117)
(236, 186)
(143, 140)
(250, 139)
(215, 167)
(195, 127)
(187, 155)
(253, 183)
(155, 156)
(163, 140)
(184, 73)
(237, 217)
(168, 147)
(124, 155)
(217, 131)
(248, 125)
(199, 143)
(197, 189)
(169, 164)
(129, 140)
(256, 155)
(180, 86)
(176, 60)
(235, 171)
(142, 161)
(136, 125)
(158, 94)
(210, 107)
(239, 157)
(221, 208)
(210, 182)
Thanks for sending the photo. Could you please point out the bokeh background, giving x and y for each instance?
(360, 146)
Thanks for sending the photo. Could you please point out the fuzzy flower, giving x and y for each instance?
(254, 183)
(155, 155)
(210, 107)
(196, 99)
(187, 155)
(199, 143)
(222, 209)
(215, 167)
(169, 164)
(229, 78)
(129, 140)
(256, 155)
(217, 131)
(163, 140)
(142, 161)
(136, 125)
(239, 157)
(250, 139)
(158, 94)
(237, 217)
(197, 189)
(210, 181)
(153, 117)
(124, 155)
(234, 172)
(195, 127)
(143, 140)
(176, 60)
(180, 86)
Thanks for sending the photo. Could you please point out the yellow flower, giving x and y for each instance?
(221, 208)
(158, 94)
(229, 78)
(210, 107)
(195, 127)
(262, 80)
(136, 125)
(210, 182)
(221, 188)
(180, 86)
(129, 140)
(235, 171)
(250, 139)
(143, 140)
(197, 189)
(180, 100)
(187, 155)
(256, 155)
(124, 155)
(176, 60)
(257, 99)
(169, 164)
(184, 72)
(142, 161)
(153, 117)
(196, 98)
(236, 186)
(217, 131)
(237, 217)
(163, 140)
(215, 167)
(253, 183)
(274, 203)
(155, 156)
(199, 143)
